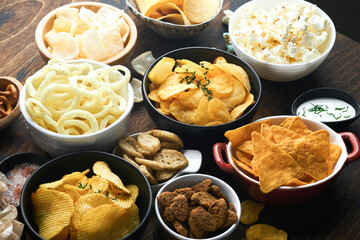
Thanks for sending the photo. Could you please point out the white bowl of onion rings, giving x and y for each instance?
(77, 105)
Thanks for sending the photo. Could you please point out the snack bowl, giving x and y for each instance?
(289, 195)
(193, 156)
(193, 134)
(169, 30)
(56, 168)
(46, 24)
(188, 181)
(328, 95)
(280, 72)
(103, 140)
(14, 162)
(15, 113)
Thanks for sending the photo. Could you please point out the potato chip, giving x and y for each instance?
(240, 109)
(172, 86)
(71, 179)
(114, 223)
(275, 166)
(161, 70)
(141, 63)
(182, 113)
(102, 169)
(136, 86)
(52, 211)
(236, 71)
(191, 98)
(201, 10)
(264, 231)
(85, 204)
(250, 211)
(310, 152)
(243, 133)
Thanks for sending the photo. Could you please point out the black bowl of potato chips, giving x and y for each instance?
(86, 195)
(199, 93)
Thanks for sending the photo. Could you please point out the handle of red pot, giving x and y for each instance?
(218, 148)
(354, 142)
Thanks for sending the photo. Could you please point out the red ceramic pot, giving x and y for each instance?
(287, 195)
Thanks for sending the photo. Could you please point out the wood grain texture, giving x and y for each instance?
(335, 215)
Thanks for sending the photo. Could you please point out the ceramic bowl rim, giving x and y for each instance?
(246, 113)
(203, 176)
(339, 166)
(126, 113)
(285, 66)
(135, 10)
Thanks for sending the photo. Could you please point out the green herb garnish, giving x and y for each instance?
(82, 186)
(203, 86)
(317, 109)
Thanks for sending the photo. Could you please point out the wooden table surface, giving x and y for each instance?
(335, 215)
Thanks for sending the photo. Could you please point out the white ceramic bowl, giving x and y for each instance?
(170, 30)
(58, 144)
(280, 72)
(188, 181)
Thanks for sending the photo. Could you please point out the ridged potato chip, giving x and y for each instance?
(52, 211)
(201, 10)
(103, 170)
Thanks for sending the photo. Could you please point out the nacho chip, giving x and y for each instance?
(243, 133)
(246, 147)
(275, 166)
(332, 158)
(297, 125)
(281, 134)
(266, 132)
(310, 152)
(264, 231)
(250, 211)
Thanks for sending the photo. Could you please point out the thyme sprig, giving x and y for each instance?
(198, 82)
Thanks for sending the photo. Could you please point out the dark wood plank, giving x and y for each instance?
(335, 215)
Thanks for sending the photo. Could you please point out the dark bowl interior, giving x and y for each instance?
(58, 167)
(329, 93)
(192, 134)
(10, 162)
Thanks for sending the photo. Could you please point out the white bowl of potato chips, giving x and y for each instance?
(176, 19)
(77, 105)
(86, 195)
(88, 30)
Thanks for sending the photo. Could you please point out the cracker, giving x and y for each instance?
(171, 159)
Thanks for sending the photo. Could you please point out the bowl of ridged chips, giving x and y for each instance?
(77, 105)
(176, 19)
(86, 195)
(199, 93)
(285, 160)
(87, 30)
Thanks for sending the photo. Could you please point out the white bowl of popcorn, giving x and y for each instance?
(283, 40)
(77, 105)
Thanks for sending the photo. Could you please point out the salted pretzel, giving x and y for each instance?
(8, 100)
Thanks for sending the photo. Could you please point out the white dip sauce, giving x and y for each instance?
(326, 109)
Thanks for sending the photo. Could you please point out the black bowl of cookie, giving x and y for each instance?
(198, 206)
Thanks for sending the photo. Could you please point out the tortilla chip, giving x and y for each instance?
(297, 125)
(275, 166)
